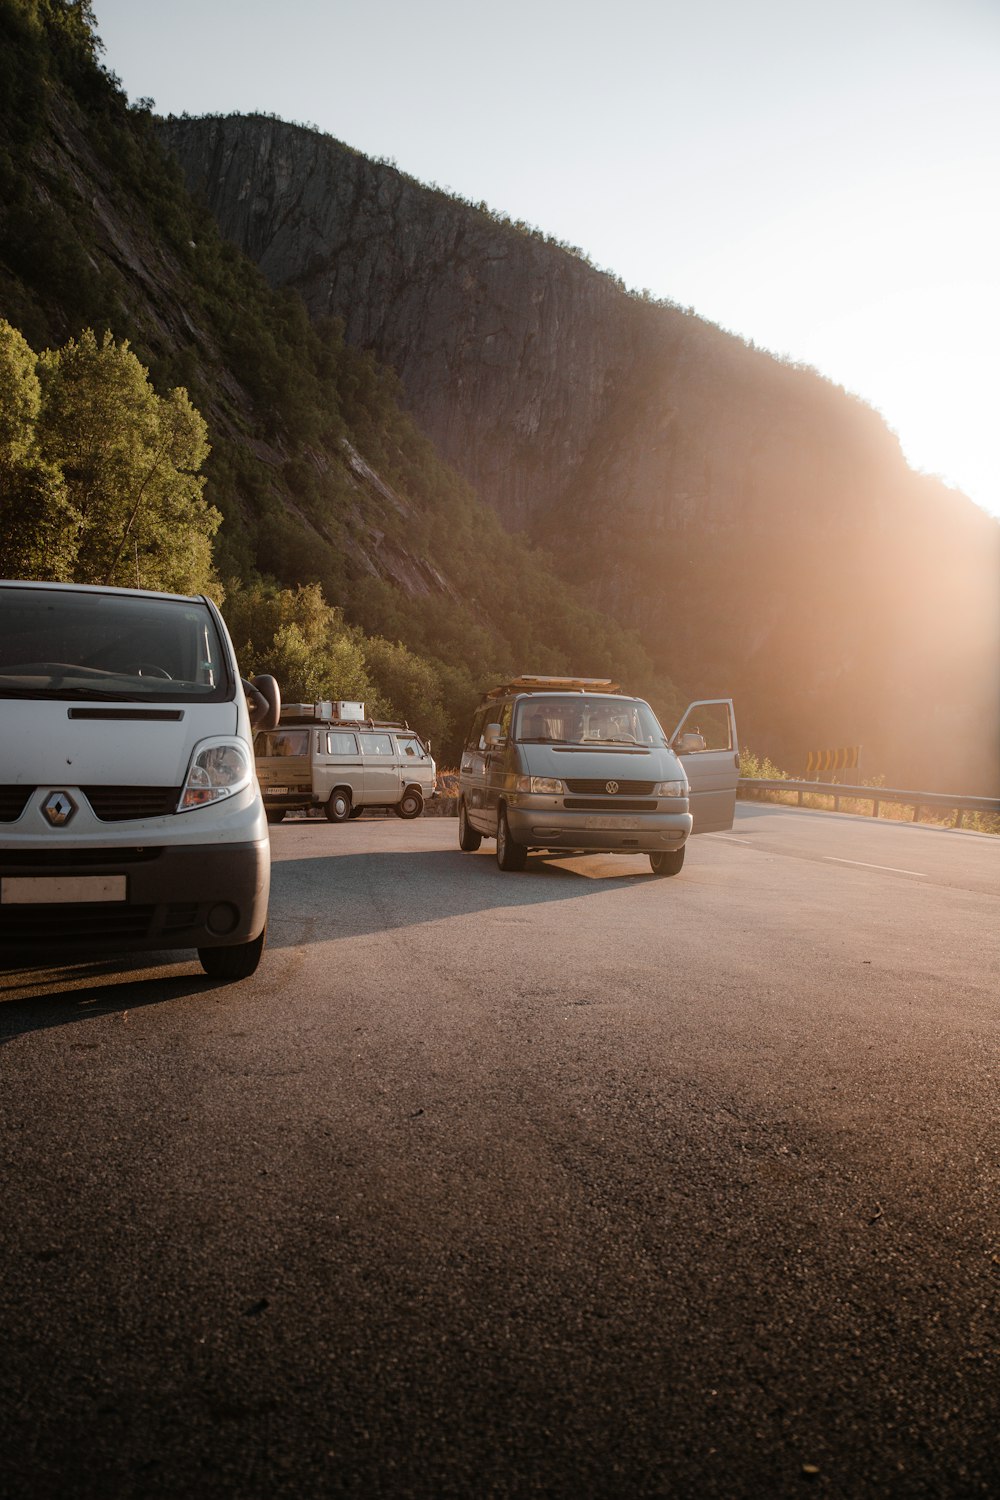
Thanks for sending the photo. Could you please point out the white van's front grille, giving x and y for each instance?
(120, 804)
(13, 801)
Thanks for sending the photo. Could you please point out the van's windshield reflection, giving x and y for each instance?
(569, 719)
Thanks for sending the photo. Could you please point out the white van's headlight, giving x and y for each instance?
(550, 784)
(218, 769)
(671, 789)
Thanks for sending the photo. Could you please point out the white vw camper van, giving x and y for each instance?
(130, 814)
(573, 765)
(328, 755)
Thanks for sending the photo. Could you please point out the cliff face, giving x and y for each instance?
(757, 526)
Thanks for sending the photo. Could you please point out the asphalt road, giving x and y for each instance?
(571, 1182)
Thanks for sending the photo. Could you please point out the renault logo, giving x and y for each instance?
(611, 787)
(59, 807)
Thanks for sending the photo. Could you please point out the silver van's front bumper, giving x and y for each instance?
(543, 823)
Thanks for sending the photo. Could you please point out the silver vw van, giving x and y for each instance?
(321, 756)
(130, 815)
(573, 765)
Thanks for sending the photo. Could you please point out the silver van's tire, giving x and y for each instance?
(274, 814)
(667, 863)
(235, 962)
(468, 838)
(410, 805)
(356, 812)
(338, 806)
(510, 856)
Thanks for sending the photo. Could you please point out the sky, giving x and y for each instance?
(821, 178)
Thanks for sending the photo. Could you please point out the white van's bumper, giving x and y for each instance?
(166, 897)
(554, 827)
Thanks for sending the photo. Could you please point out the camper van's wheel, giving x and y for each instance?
(410, 805)
(338, 806)
(356, 812)
(510, 856)
(468, 838)
(275, 814)
(667, 863)
(236, 962)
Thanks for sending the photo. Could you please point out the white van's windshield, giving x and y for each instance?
(572, 719)
(95, 646)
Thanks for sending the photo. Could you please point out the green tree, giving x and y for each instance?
(129, 459)
(409, 685)
(20, 396)
(300, 639)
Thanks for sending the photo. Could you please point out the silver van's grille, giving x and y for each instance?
(625, 788)
(13, 801)
(119, 804)
(610, 804)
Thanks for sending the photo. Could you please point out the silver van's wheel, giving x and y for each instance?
(338, 806)
(510, 856)
(235, 962)
(410, 805)
(667, 863)
(275, 814)
(356, 812)
(468, 838)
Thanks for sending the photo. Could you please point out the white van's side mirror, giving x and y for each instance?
(263, 701)
(690, 744)
(492, 735)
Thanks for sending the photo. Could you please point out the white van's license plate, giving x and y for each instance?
(40, 890)
(627, 823)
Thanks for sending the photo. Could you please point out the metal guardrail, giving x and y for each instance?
(875, 795)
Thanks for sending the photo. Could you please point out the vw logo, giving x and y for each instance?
(611, 786)
(59, 807)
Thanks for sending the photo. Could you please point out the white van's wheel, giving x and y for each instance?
(338, 806)
(236, 962)
(410, 805)
(356, 812)
(667, 863)
(510, 856)
(468, 838)
(275, 814)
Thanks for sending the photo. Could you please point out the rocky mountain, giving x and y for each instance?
(320, 475)
(755, 524)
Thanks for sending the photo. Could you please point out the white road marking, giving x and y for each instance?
(893, 869)
(728, 838)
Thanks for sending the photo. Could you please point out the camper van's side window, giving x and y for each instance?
(377, 744)
(411, 747)
(339, 743)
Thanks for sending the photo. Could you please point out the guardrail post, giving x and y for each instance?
(959, 815)
(874, 807)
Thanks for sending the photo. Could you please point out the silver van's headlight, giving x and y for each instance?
(671, 789)
(550, 784)
(218, 769)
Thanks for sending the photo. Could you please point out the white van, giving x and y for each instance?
(130, 815)
(319, 756)
(573, 765)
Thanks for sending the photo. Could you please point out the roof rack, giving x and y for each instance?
(554, 685)
(306, 713)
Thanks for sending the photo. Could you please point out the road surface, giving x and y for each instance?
(570, 1182)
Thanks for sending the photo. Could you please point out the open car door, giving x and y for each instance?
(705, 742)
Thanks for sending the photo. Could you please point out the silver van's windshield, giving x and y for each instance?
(131, 648)
(573, 719)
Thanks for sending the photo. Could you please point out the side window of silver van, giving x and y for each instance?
(340, 743)
(410, 747)
(377, 744)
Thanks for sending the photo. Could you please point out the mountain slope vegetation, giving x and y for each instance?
(757, 525)
(321, 479)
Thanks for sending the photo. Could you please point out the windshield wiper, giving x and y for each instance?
(78, 695)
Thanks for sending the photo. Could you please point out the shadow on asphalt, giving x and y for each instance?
(359, 894)
(354, 895)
